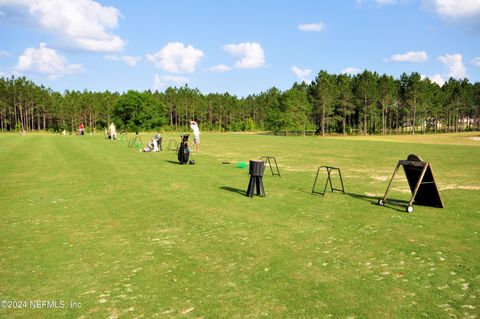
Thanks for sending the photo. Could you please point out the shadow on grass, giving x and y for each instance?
(234, 190)
(396, 204)
(172, 162)
(316, 193)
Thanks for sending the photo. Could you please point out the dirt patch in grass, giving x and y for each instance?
(297, 169)
(373, 195)
(455, 186)
(379, 178)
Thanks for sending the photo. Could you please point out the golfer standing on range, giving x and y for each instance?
(81, 129)
(196, 135)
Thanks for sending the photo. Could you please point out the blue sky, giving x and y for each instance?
(240, 47)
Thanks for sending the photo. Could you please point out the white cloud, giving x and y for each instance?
(351, 71)
(455, 9)
(411, 56)
(128, 59)
(4, 54)
(386, 2)
(161, 82)
(454, 68)
(45, 61)
(454, 65)
(175, 57)
(82, 24)
(302, 74)
(219, 68)
(476, 61)
(437, 78)
(251, 54)
(312, 27)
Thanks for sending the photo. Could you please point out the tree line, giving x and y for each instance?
(366, 103)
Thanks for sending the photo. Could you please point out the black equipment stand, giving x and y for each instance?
(267, 160)
(256, 170)
(329, 180)
(421, 182)
(172, 145)
(135, 141)
(123, 136)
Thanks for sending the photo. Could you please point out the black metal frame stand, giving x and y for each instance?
(409, 206)
(133, 141)
(329, 180)
(123, 136)
(172, 142)
(417, 169)
(267, 160)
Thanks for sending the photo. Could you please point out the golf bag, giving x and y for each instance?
(151, 147)
(154, 145)
(183, 151)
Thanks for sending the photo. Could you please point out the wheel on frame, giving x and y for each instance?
(409, 209)
(381, 202)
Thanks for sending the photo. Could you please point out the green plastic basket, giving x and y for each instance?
(241, 165)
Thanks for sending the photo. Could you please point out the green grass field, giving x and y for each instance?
(125, 234)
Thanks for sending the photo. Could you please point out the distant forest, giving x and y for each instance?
(366, 103)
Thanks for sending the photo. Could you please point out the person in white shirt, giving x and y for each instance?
(196, 135)
(112, 132)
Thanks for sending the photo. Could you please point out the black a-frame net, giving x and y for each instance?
(328, 181)
(421, 182)
(269, 160)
